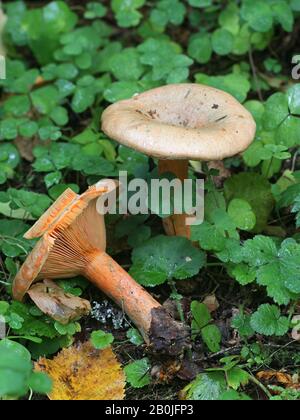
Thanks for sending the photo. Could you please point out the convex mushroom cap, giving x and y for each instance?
(181, 121)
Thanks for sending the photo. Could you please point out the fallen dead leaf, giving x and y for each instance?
(164, 373)
(279, 378)
(83, 373)
(275, 377)
(224, 173)
(211, 302)
(56, 303)
(26, 146)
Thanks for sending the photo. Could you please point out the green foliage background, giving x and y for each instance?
(67, 60)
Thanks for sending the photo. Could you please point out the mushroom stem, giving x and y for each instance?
(115, 282)
(157, 327)
(175, 225)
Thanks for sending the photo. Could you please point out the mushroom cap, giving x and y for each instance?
(70, 210)
(181, 121)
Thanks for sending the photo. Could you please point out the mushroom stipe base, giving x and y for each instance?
(160, 331)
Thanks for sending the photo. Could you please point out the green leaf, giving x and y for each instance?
(289, 255)
(164, 258)
(134, 337)
(15, 12)
(121, 90)
(233, 395)
(95, 10)
(241, 322)
(44, 26)
(237, 377)
(133, 162)
(33, 203)
(17, 105)
(137, 373)
(232, 252)
(283, 14)
(200, 47)
(59, 115)
(9, 156)
(45, 99)
(126, 65)
(254, 189)
(236, 84)
(294, 99)
(8, 129)
(69, 329)
(200, 3)
(101, 340)
(127, 14)
(211, 336)
(229, 19)
(41, 383)
(258, 14)
(167, 11)
(201, 317)
(212, 236)
(222, 41)
(242, 214)
(243, 273)
(15, 369)
(28, 129)
(4, 306)
(206, 387)
(276, 110)
(165, 60)
(93, 165)
(267, 320)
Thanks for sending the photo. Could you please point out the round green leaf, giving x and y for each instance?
(242, 214)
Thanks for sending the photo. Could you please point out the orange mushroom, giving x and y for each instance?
(73, 242)
(178, 123)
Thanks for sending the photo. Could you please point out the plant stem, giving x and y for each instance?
(261, 386)
(177, 297)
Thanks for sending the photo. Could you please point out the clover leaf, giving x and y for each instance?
(254, 189)
(127, 13)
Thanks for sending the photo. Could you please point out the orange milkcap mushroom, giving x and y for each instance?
(178, 123)
(73, 242)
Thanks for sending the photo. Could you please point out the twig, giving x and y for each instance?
(294, 161)
(220, 353)
(254, 72)
(260, 385)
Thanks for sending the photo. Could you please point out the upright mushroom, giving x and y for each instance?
(73, 242)
(178, 123)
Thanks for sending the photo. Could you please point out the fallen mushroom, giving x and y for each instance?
(178, 123)
(73, 242)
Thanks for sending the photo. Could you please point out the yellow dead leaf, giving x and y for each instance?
(83, 373)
